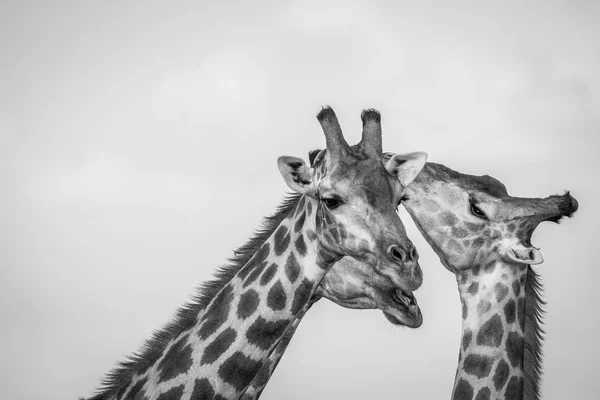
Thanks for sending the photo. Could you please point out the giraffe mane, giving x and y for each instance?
(534, 335)
(185, 316)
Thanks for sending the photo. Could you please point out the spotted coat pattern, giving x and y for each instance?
(256, 387)
(491, 353)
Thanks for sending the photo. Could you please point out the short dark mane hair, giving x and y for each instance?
(534, 336)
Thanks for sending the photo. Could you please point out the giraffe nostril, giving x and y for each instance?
(397, 253)
(414, 254)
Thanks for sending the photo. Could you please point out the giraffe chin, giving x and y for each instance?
(402, 309)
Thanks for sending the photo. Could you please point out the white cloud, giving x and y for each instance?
(230, 84)
(103, 180)
(319, 17)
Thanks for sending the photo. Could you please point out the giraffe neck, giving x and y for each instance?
(492, 349)
(229, 340)
(258, 384)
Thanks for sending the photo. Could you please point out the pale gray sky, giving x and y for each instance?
(139, 146)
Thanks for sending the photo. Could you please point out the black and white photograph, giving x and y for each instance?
(299, 199)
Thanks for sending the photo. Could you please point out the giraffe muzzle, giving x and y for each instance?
(409, 274)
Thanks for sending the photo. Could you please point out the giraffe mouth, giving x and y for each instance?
(403, 309)
(404, 299)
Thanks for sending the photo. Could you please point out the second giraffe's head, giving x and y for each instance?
(472, 220)
(351, 198)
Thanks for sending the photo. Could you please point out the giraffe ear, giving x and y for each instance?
(315, 156)
(405, 167)
(525, 255)
(296, 174)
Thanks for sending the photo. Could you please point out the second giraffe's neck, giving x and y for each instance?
(258, 384)
(492, 349)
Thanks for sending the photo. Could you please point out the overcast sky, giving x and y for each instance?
(139, 143)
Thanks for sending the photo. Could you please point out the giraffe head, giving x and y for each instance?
(355, 198)
(472, 220)
(351, 285)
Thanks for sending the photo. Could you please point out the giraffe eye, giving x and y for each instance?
(332, 202)
(476, 211)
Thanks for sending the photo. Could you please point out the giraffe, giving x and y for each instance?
(345, 206)
(482, 235)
